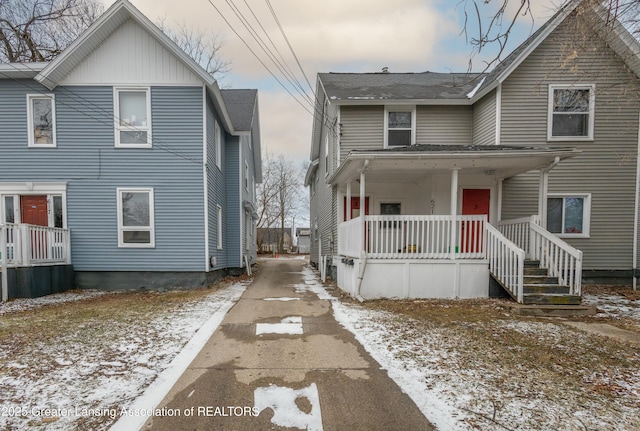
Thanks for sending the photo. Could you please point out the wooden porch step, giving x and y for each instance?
(531, 263)
(532, 270)
(539, 279)
(552, 299)
(544, 288)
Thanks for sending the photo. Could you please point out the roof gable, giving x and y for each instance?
(110, 21)
(620, 40)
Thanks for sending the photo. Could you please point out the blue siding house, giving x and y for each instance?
(123, 165)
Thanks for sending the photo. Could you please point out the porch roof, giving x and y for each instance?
(406, 164)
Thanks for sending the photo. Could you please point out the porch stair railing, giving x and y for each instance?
(553, 271)
(506, 262)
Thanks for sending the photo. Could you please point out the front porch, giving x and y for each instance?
(34, 260)
(426, 224)
(456, 257)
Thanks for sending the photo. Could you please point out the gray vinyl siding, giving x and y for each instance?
(607, 166)
(216, 189)
(232, 227)
(93, 168)
(484, 120)
(248, 195)
(362, 129)
(444, 125)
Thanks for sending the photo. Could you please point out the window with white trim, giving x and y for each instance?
(219, 214)
(399, 126)
(571, 112)
(246, 176)
(135, 217)
(569, 215)
(41, 120)
(326, 155)
(132, 117)
(218, 144)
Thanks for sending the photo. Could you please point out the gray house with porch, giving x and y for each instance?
(440, 184)
(136, 171)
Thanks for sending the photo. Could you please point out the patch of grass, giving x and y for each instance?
(515, 358)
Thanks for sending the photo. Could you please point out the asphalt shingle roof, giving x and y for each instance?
(240, 105)
(396, 86)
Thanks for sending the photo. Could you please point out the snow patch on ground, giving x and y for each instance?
(613, 306)
(83, 378)
(288, 325)
(24, 304)
(286, 413)
(461, 390)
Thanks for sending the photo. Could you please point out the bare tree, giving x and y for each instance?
(38, 30)
(280, 194)
(203, 46)
(503, 15)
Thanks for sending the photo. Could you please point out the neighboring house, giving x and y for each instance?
(436, 162)
(134, 167)
(269, 239)
(303, 235)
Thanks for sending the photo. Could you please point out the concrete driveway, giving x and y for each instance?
(280, 352)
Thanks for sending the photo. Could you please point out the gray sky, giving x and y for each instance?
(331, 36)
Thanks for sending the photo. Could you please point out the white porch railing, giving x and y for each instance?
(30, 245)
(559, 258)
(413, 237)
(350, 237)
(506, 262)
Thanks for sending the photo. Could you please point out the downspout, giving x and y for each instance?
(3, 262)
(363, 252)
(635, 218)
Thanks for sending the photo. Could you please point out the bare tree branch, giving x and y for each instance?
(38, 30)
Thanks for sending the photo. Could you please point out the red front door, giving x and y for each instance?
(33, 210)
(474, 202)
(355, 207)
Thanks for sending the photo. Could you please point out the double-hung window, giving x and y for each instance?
(135, 217)
(132, 117)
(218, 143)
(571, 112)
(399, 124)
(219, 220)
(41, 120)
(569, 215)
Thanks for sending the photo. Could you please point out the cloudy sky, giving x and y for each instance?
(332, 36)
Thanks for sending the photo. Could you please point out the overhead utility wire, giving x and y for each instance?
(260, 60)
(275, 47)
(263, 46)
(275, 17)
(96, 110)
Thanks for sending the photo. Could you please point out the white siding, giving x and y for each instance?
(131, 56)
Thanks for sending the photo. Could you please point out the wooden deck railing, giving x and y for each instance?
(30, 245)
(413, 237)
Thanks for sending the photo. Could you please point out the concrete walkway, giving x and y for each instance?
(279, 350)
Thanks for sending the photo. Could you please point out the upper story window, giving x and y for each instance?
(246, 175)
(569, 215)
(132, 117)
(571, 112)
(136, 227)
(41, 120)
(399, 124)
(218, 144)
(326, 155)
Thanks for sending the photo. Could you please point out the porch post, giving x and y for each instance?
(362, 204)
(4, 285)
(454, 212)
(542, 197)
(347, 210)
